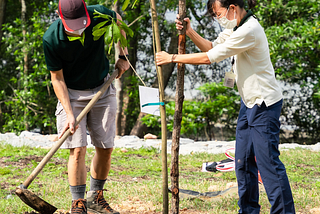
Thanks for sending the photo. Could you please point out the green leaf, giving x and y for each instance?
(123, 41)
(110, 46)
(127, 29)
(98, 26)
(134, 3)
(109, 34)
(125, 5)
(97, 14)
(116, 32)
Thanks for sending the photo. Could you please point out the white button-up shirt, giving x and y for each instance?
(255, 75)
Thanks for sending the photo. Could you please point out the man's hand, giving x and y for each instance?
(122, 66)
(70, 122)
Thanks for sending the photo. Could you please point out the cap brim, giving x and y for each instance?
(76, 24)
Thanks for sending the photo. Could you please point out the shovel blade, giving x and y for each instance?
(33, 201)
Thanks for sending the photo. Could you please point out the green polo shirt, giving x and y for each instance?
(84, 66)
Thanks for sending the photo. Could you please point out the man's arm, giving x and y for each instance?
(121, 64)
(61, 91)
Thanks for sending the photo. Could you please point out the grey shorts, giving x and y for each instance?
(100, 121)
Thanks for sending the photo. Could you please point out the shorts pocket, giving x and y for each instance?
(59, 109)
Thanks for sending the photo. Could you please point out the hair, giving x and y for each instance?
(227, 3)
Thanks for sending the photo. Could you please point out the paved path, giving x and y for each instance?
(187, 146)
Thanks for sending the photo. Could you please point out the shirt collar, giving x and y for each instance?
(80, 38)
(62, 34)
(245, 18)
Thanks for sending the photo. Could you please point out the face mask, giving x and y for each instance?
(77, 32)
(226, 23)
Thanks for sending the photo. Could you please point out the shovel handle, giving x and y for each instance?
(54, 149)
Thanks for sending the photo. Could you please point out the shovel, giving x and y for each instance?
(30, 198)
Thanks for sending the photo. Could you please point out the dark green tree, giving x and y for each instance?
(27, 98)
(293, 31)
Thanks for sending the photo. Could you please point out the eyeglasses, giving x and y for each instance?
(218, 17)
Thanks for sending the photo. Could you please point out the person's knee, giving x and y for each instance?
(78, 154)
(104, 152)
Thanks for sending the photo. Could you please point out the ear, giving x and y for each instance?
(58, 13)
(233, 6)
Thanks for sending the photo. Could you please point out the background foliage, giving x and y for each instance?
(27, 100)
(293, 31)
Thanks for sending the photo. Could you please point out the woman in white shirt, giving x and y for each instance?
(258, 126)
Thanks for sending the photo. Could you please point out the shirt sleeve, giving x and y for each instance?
(53, 62)
(226, 46)
(222, 37)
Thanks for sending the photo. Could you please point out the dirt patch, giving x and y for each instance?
(127, 178)
(183, 211)
(25, 161)
(130, 207)
(138, 156)
(22, 163)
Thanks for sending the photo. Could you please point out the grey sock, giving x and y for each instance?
(96, 184)
(78, 191)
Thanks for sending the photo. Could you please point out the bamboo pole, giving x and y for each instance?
(179, 97)
(156, 35)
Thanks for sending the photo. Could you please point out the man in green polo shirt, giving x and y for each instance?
(78, 68)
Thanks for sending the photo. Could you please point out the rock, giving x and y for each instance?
(117, 137)
(315, 211)
(53, 137)
(28, 134)
(213, 188)
(150, 136)
(231, 184)
(9, 197)
(124, 150)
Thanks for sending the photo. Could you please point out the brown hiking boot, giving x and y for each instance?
(97, 204)
(79, 206)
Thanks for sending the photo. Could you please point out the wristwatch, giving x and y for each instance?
(123, 57)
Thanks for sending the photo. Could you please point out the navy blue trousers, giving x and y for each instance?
(258, 136)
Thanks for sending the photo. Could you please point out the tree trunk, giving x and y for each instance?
(178, 115)
(126, 85)
(125, 81)
(25, 59)
(164, 159)
(2, 11)
(140, 129)
(118, 85)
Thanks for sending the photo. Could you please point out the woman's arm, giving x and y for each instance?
(203, 44)
(195, 58)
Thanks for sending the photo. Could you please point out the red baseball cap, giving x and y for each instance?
(74, 14)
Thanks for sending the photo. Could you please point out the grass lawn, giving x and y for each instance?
(135, 183)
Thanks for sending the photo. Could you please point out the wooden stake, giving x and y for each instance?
(178, 113)
(162, 110)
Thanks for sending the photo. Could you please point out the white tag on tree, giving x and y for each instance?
(149, 100)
